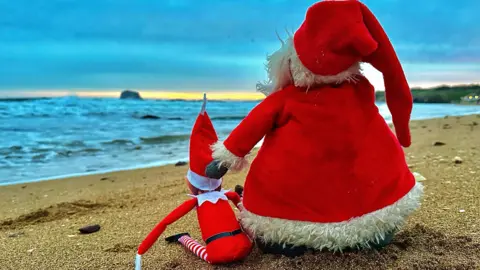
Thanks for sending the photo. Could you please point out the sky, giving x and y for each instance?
(98, 47)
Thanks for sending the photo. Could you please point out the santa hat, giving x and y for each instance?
(338, 34)
(203, 135)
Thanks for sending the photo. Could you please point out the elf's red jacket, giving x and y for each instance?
(213, 218)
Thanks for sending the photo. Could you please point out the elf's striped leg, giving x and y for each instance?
(193, 246)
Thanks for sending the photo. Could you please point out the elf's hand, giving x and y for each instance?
(215, 170)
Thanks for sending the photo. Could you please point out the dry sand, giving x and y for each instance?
(39, 222)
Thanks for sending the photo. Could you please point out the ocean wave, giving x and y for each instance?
(15, 148)
(52, 143)
(46, 146)
(75, 144)
(41, 150)
(38, 154)
(21, 99)
(69, 153)
(119, 142)
(91, 150)
(234, 117)
(18, 129)
(155, 117)
(12, 149)
(40, 157)
(14, 157)
(97, 114)
(165, 139)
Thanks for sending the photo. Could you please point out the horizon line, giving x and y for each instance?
(147, 94)
(163, 94)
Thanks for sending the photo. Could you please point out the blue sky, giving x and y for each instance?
(187, 45)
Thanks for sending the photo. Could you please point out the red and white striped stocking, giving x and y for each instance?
(194, 247)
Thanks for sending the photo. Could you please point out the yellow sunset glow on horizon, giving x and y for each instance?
(146, 94)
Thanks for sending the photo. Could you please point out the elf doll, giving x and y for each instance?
(330, 173)
(224, 238)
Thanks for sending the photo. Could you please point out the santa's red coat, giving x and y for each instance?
(327, 156)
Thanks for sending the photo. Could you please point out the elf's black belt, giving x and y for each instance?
(221, 235)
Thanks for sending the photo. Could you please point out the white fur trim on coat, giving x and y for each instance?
(284, 67)
(356, 232)
(227, 158)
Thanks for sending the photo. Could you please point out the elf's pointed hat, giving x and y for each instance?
(337, 34)
(203, 135)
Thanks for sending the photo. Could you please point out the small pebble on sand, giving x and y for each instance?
(16, 234)
(180, 163)
(462, 211)
(89, 229)
(457, 160)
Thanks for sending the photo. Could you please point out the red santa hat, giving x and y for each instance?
(338, 34)
(203, 135)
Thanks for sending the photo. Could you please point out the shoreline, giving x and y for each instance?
(75, 175)
(170, 162)
(41, 220)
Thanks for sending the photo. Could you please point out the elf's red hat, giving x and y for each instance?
(337, 34)
(203, 135)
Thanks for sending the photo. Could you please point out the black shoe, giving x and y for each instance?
(174, 238)
(278, 249)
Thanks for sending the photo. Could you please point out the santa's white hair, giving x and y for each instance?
(284, 67)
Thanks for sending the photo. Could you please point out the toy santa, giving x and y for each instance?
(221, 231)
(330, 173)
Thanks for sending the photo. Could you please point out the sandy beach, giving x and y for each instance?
(39, 222)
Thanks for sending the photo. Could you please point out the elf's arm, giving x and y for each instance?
(231, 153)
(176, 214)
(235, 198)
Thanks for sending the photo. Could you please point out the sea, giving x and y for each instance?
(51, 138)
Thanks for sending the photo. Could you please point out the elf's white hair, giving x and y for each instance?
(284, 67)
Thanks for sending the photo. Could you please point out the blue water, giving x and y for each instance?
(49, 138)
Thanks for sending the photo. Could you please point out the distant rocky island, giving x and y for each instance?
(460, 94)
(129, 94)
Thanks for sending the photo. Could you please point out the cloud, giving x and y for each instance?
(186, 44)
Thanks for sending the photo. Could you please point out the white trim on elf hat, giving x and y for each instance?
(203, 182)
(203, 135)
